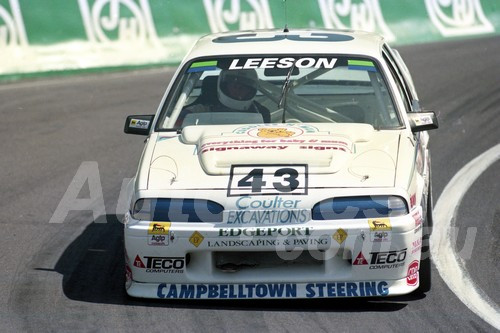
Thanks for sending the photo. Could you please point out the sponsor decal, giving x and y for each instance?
(161, 240)
(382, 260)
(322, 145)
(277, 137)
(267, 217)
(247, 129)
(419, 161)
(196, 239)
(360, 260)
(275, 132)
(361, 65)
(161, 264)
(267, 180)
(159, 228)
(387, 259)
(308, 62)
(380, 236)
(417, 217)
(201, 66)
(159, 233)
(273, 290)
(347, 289)
(252, 147)
(139, 123)
(412, 275)
(417, 246)
(380, 224)
(265, 232)
(340, 235)
(422, 120)
(248, 202)
(316, 243)
(138, 262)
(413, 200)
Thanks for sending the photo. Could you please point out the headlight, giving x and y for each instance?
(177, 210)
(361, 207)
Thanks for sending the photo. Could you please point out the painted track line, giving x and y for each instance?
(450, 266)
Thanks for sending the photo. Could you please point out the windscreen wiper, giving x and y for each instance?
(284, 91)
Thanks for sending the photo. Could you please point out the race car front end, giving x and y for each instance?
(320, 258)
(317, 241)
(281, 165)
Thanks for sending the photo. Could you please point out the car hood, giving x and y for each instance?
(341, 155)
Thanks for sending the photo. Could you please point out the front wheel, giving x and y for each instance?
(425, 257)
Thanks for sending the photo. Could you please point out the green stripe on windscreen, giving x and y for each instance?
(360, 63)
(204, 64)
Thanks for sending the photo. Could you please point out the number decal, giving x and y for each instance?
(267, 180)
(256, 183)
(292, 181)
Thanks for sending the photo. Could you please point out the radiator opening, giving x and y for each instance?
(231, 262)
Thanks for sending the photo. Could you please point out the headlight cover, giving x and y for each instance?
(177, 210)
(360, 207)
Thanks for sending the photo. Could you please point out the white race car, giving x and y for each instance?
(282, 164)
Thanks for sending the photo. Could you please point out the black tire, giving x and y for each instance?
(424, 273)
(425, 269)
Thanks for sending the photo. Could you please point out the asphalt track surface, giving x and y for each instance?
(69, 276)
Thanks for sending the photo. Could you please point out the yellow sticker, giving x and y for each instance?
(380, 224)
(196, 238)
(340, 235)
(274, 133)
(159, 228)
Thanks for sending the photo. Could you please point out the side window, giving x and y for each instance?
(402, 76)
(403, 69)
(399, 82)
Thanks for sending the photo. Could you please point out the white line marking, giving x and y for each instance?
(450, 267)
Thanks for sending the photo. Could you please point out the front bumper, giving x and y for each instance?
(343, 258)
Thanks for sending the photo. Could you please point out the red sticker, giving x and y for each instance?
(138, 262)
(412, 275)
(360, 260)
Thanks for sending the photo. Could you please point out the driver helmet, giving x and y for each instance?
(237, 88)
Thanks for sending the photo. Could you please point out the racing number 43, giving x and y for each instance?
(255, 180)
(268, 179)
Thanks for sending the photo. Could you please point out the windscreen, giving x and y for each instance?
(280, 89)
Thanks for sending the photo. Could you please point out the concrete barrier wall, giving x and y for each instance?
(43, 36)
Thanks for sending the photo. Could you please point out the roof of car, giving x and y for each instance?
(295, 41)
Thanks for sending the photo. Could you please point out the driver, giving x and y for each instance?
(236, 90)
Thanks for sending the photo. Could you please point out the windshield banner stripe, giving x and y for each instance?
(202, 66)
(362, 65)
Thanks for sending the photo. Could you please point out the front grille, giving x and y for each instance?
(230, 262)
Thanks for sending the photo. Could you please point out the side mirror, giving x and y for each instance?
(138, 124)
(422, 121)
